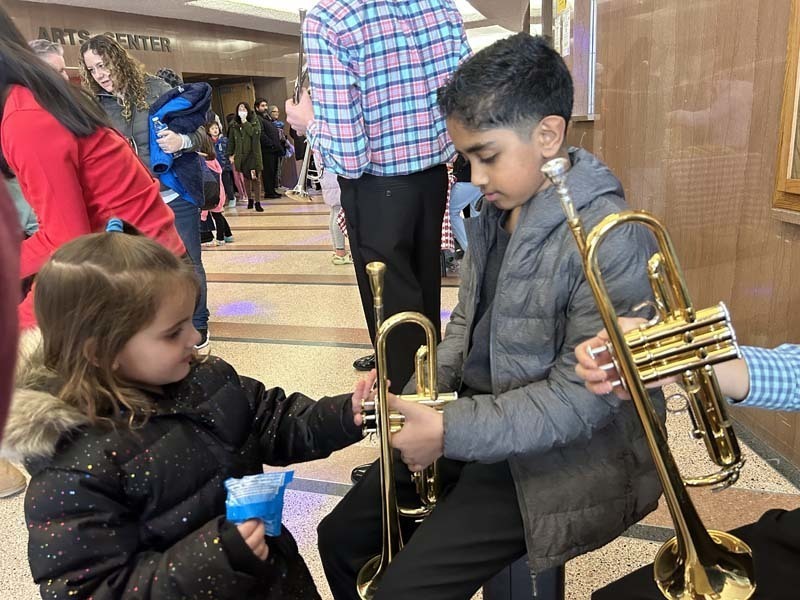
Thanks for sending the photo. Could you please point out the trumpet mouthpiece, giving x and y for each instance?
(375, 272)
(555, 168)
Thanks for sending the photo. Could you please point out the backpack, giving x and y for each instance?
(210, 187)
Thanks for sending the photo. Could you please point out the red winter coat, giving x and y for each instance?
(76, 184)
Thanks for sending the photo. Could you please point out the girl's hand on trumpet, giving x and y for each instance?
(363, 392)
(421, 440)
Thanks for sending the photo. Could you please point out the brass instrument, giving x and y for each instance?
(696, 563)
(384, 422)
(299, 192)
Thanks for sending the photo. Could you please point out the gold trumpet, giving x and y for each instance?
(299, 192)
(384, 422)
(697, 563)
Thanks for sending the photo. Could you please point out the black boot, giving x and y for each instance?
(258, 207)
(249, 205)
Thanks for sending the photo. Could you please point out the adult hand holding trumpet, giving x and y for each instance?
(299, 115)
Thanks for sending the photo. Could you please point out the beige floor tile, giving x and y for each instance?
(15, 575)
(249, 219)
(249, 237)
(592, 571)
(309, 305)
(259, 261)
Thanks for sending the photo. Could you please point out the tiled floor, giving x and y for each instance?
(281, 312)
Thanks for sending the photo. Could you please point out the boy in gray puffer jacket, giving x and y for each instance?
(532, 462)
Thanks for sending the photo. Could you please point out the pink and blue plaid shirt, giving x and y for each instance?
(774, 377)
(375, 66)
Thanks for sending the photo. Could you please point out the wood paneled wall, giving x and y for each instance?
(689, 97)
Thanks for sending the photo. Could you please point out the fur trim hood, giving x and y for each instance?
(37, 419)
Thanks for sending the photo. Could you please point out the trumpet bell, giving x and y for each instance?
(728, 573)
(368, 578)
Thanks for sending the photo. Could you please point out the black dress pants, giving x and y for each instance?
(775, 542)
(270, 160)
(474, 532)
(398, 220)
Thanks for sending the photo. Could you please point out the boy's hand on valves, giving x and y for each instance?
(252, 531)
(421, 440)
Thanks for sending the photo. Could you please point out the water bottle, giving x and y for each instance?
(158, 126)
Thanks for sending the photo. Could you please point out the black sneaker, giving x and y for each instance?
(203, 343)
(358, 473)
(365, 363)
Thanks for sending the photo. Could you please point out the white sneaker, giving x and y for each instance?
(219, 242)
(342, 260)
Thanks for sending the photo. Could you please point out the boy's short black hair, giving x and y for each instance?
(513, 83)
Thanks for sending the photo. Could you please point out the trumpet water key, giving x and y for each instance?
(696, 564)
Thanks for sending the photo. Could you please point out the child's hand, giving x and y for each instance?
(363, 392)
(421, 440)
(253, 174)
(598, 380)
(252, 531)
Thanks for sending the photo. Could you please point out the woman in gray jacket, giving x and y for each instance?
(126, 92)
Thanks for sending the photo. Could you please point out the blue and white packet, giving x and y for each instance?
(258, 497)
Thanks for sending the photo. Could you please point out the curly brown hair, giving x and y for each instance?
(127, 74)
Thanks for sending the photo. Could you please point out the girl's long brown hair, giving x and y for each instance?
(92, 297)
(127, 74)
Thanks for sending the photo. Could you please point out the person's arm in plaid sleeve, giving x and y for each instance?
(763, 378)
(769, 378)
(337, 130)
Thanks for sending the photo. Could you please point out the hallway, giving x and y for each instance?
(282, 313)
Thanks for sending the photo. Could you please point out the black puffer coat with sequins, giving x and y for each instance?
(121, 514)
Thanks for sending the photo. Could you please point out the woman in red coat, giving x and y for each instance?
(74, 170)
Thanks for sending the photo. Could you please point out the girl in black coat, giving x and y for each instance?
(129, 438)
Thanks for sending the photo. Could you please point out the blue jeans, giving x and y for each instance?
(462, 195)
(187, 222)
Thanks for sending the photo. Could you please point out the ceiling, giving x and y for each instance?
(486, 20)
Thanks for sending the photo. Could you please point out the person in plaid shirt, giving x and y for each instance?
(762, 378)
(374, 68)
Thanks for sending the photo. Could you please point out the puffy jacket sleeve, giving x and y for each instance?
(87, 546)
(196, 137)
(294, 428)
(558, 410)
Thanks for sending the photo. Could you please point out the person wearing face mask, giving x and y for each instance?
(126, 93)
(244, 150)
